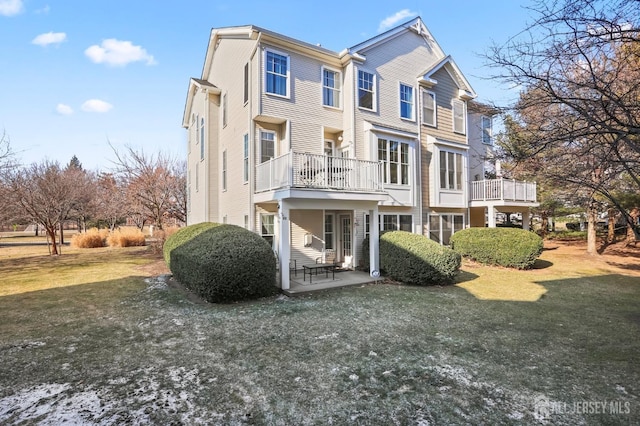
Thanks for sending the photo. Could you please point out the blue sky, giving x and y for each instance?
(76, 74)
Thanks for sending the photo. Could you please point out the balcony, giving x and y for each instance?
(322, 172)
(503, 191)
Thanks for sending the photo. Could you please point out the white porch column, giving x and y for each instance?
(525, 219)
(284, 244)
(374, 243)
(491, 215)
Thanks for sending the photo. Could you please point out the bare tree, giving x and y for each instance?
(48, 194)
(150, 182)
(577, 66)
(110, 203)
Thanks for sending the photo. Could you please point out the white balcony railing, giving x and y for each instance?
(503, 189)
(302, 170)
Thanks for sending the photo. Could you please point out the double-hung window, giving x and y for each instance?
(394, 156)
(267, 146)
(267, 227)
(224, 110)
(202, 139)
(277, 74)
(366, 90)
(451, 170)
(224, 170)
(406, 102)
(390, 222)
(245, 92)
(428, 108)
(459, 116)
(487, 133)
(331, 88)
(245, 158)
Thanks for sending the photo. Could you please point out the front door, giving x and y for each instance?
(346, 240)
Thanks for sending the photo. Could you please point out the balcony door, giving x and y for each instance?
(346, 240)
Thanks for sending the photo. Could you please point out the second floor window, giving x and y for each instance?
(486, 131)
(366, 90)
(202, 139)
(395, 161)
(330, 88)
(406, 102)
(224, 110)
(429, 108)
(245, 158)
(459, 116)
(450, 170)
(277, 73)
(267, 146)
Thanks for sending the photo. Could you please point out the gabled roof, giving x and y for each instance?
(426, 77)
(415, 25)
(196, 84)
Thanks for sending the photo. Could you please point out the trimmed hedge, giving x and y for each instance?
(509, 247)
(225, 263)
(183, 235)
(414, 259)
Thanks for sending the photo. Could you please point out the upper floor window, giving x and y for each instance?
(267, 146)
(202, 139)
(330, 88)
(406, 102)
(459, 116)
(366, 90)
(487, 133)
(245, 158)
(277, 74)
(395, 158)
(429, 108)
(450, 170)
(224, 110)
(245, 95)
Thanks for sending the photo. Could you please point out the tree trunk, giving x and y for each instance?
(631, 233)
(611, 229)
(51, 232)
(545, 224)
(591, 230)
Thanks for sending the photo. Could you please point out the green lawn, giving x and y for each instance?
(120, 349)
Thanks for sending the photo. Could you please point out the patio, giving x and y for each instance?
(320, 282)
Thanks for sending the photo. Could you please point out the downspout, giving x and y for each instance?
(419, 165)
(252, 145)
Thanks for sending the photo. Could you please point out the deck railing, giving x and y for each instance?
(303, 170)
(503, 189)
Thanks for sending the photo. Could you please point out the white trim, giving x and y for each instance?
(455, 102)
(267, 50)
(374, 90)
(435, 108)
(339, 89)
(413, 105)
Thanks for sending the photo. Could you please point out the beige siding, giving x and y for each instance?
(304, 107)
(303, 222)
(227, 73)
(445, 91)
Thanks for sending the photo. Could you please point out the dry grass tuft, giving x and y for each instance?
(93, 238)
(126, 237)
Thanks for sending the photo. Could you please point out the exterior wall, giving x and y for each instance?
(303, 108)
(478, 151)
(303, 222)
(227, 73)
(477, 217)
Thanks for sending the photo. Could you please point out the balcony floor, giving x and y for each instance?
(342, 279)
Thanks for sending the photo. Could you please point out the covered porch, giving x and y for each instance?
(343, 278)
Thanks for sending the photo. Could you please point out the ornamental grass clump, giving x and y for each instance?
(416, 260)
(508, 247)
(92, 238)
(223, 263)
(126, 237)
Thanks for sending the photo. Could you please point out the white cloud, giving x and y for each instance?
(44, 11)
(96, 105)
(49, 38)
(63, 109)
(394, 19)
(118, 53)
(10, 7)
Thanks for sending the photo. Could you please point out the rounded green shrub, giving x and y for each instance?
(416, 260)
(183, 235)
(509, 247)
(225, 263)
